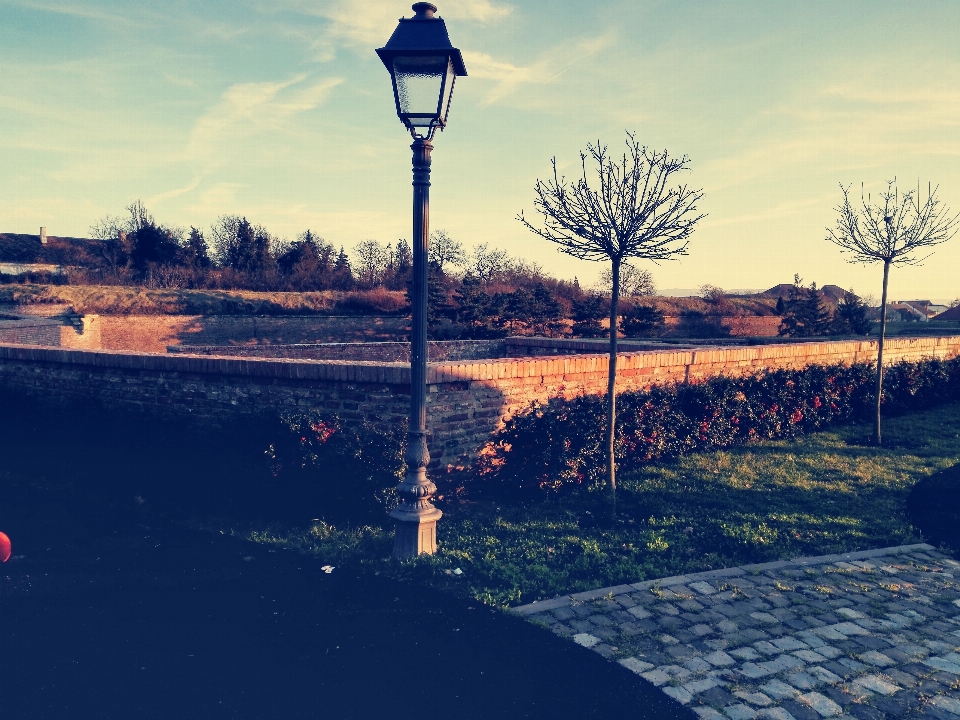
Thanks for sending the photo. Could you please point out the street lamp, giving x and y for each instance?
(423, 66)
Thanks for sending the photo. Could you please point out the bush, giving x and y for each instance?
(340, 470)
(559, 445)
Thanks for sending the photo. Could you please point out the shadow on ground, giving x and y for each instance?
(110, 609)
(934, 506)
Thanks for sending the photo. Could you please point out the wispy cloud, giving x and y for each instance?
(253, 107)
(506, 78)
(369, 25)
(81, 11)
(177, 192)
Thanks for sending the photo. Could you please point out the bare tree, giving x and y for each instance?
(894, 231)
(372, 262)
(634, 281)
(444, 250)
(620, 210)
(488, 263)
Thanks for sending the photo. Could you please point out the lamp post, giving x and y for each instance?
(423, 66)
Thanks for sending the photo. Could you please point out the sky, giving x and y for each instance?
(281, 111)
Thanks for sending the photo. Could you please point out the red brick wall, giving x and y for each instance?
(466, 400)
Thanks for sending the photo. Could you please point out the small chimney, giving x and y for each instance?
(43, 235)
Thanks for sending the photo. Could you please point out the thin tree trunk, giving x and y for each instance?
(877, 440)
(612, 390)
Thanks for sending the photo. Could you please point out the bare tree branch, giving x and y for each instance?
(893, 231)
(613, 212)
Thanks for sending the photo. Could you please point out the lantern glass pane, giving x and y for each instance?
(451, 76)
(419, 79)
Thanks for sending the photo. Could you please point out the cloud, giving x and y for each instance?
(159, 198)
(507, 78)
(371, 24)
(251, 107)
(83, 11)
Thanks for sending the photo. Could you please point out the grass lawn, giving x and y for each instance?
(824, 493)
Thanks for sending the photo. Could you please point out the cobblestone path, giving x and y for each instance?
(872, 634)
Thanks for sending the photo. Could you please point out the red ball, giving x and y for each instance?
(5, 547)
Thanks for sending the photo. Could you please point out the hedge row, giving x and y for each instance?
(561, 444)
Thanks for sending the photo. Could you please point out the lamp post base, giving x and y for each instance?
(416, 533)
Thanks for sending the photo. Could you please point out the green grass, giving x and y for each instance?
(825, 493)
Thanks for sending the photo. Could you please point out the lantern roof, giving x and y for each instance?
(423, 34)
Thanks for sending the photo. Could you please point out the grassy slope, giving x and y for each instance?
(825, 493)
(114, 300)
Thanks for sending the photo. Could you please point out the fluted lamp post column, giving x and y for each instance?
(423, 66)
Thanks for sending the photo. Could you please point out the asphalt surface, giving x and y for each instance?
(108, 611)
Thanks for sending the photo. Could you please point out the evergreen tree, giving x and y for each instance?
(805, 314)
(476, 310)
(401, 265)
(817, 313)
(342, 274)
(587, 314)
(643, 321)
(546, 312)
(195, 253)
(850, 317)
(780, 306)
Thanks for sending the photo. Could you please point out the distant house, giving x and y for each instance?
(8, 268)
(926, 307)
(949, 315)
(906, 312)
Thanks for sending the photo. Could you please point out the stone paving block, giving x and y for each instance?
(704, 588)
(740, 712)
(853, 665)
(864, 712)
(697, 665)
(658, 677)
(875, 683)
(784, 662)
(708, 713)
(892, 707)
(753, 671)
(944, 702)
(939, 663)
(635, 665)
(823, 674)
(849, 628)
(678, 693)
(876, 658)
(802, 681)
(828, 651)
(789, 643)
(827, 632)
(754, 698)
(767, 648)
(779, 690)
(799, 710)
(698, 686)
(823, 706)
(700, 630)
(744, 653)
(809, 656)
(720, 659)
(775, 713)
(586, 639)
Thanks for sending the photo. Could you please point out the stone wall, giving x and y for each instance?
(154, 333)
(441, 351)
(70, 331)
(467, 400)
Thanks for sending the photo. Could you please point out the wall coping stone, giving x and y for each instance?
(443, 372)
